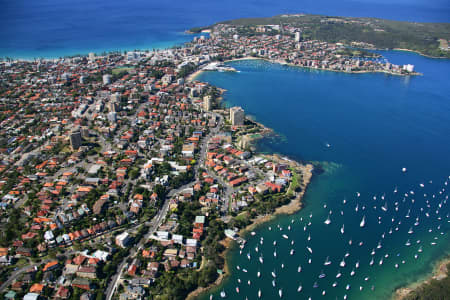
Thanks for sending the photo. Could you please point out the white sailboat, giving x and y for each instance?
(327, 221)
(342, 229)
(363, 222)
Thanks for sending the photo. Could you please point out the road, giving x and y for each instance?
(161, 215)
(14, 275)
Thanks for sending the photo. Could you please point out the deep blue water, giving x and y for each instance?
(376, 125)
(54, 28)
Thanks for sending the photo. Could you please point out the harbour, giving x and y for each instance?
(372, 253)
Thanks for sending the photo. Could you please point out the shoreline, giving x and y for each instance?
(417, 52)
(439, 272)
(292, 207)
(192, 76)
(336, 71)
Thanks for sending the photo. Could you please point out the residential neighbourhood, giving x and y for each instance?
(119, 175)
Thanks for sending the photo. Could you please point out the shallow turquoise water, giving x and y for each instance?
(54, 28)
(376, 125)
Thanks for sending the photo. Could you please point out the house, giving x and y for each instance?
(99, 204)
(82, 283)
(87, 272)
(31, 296)
(24, 251)
(188, 150)
(163, 235)
(191, 243)
(132, 292)
(5, 260)
(262, 188)
(145, 282)
(10, 295)
(70, 269)
(87, 296)
(37, 288)
(185, 263)
(78, 260)
(123, 239)
(17, 286)
(51, 266)
(177, 238)
(153, 266)
(171, 253)
(62, 293)
(102, 255)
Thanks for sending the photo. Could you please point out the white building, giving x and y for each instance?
(123, 239)
(237, 116)
(409, 68)
(207, 103)
(106, 79)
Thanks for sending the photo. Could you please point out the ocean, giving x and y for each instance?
(49, 28)
(376, 125)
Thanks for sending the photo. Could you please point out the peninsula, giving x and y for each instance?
(430, 39)
(121, 176)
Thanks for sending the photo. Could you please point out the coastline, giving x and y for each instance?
(192, 76)
(439, 272)
(417, 52)
(292, 207)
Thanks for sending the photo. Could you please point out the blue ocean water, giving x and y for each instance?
(376, 125)
(55, 28)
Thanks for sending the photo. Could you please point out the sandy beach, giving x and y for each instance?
(192, 76)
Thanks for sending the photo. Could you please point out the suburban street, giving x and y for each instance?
(161, 215)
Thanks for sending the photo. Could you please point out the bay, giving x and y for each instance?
(376, 125)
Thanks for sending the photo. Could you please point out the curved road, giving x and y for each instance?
(161, 215)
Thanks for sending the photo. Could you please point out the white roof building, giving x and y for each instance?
(48, 236)
(191, 242)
